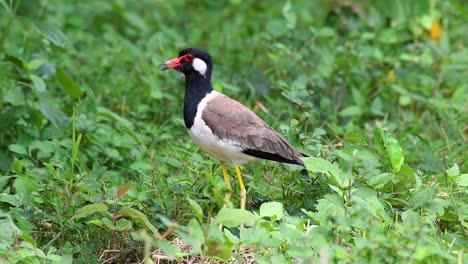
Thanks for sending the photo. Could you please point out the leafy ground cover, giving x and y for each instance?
(96, 166)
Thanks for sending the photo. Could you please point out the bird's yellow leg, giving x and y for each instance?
(227, 197)
(228, 183)
(243, 194)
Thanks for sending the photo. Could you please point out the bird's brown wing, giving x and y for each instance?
(229, 119)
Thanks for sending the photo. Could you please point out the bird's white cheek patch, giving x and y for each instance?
(200, 66)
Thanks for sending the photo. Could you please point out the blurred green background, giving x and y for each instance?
(376, 90)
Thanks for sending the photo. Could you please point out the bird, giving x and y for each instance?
(223, 127)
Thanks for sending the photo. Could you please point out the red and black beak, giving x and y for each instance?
(170, 64)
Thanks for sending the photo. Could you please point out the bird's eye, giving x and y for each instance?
(190, 57)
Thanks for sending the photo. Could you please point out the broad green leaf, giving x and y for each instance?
(36, 63)
(123, 224)
(274, 210)
(463, 180)
(411, 219)
(393, 150)
(16, 61)
(166, 221)
(168, 248)
(39, 84)
(379, 181)
(89, 210)
(232, 217)
(289, 15)
(453, 171)
(17, 166)
(314, 165)
(230, 237)
(388, 36)
(25, 185)
(331, 206)
(368, 200)
(54, 115)
(139, 217)
(65, 259)
(108, 223)
(70, 86)
(14, 96)
(436, 206)
(53, 34)
(196, 208)
(11, 199)
(54, 258)
(97, 222)
(422, 196)
(19, 149)
(353, 110)
(194, 235)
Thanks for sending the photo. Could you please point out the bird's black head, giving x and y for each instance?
(191, 61)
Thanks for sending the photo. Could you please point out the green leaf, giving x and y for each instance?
(168, 248)
(289, 15)
(16, 61)
(53, 34)
(65, 259)
(17, 166)
(228, 236)
(196, 208)
(24, 185)
(393, 150)
(379, 181)
(89, 209)
(39, 84)
(422, 196)
(463, 180)
(388, 36)
(353, 110)
(54, 115)
(232, 217)
(108, 223)
(14, 96)
(194, 235)
(36, 63)
(139, 217)
(314, 165)
(453, 171)
(436, 206)
(19, 149)
(11, 199)
(70, 86)
(274, 210)
(411, 218)
(123, 224)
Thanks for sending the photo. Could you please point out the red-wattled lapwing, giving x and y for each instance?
(223, 127)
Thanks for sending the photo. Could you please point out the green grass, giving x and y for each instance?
(96, 165)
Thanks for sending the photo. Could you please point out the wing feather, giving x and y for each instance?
(229, 119)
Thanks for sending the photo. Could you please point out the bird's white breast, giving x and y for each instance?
(202, 135)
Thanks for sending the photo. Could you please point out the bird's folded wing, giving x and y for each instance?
(230, 120)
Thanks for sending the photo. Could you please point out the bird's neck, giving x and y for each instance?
(196, 88)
